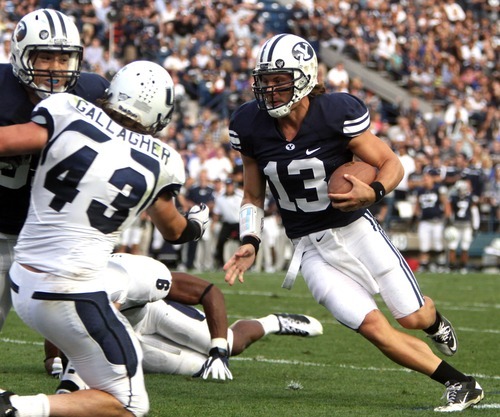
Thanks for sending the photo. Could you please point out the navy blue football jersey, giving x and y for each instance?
(430, 203)
(298, 171)
(476, 177)
(461, 207)
(198, 194)
(16, 174)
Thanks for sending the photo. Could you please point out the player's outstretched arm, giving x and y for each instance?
(251, 221)
(173, 226)
(236, 266)
(188, 289)
(191, 290)
(22, 139)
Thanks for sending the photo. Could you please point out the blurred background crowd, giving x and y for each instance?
(444, 54)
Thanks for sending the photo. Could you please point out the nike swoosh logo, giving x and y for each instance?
(318, 239)
(310, 152)
(453, 347)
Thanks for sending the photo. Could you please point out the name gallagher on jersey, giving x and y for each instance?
(143, 142)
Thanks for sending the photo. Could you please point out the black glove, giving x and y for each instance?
(217, 364)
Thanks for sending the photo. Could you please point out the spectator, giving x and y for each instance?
(93, 54)
(5, 48)
(177, 61)
(337, 78)
(416, 178)
(491, 200)
(436, 169)
(454, 11)
(219, 165)
(226, 212)
(455, 116)
(408, 162)
(471, 172)
(386, 46)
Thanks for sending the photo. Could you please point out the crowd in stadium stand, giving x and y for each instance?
(446, 53)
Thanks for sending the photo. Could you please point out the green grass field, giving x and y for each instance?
(336, 374)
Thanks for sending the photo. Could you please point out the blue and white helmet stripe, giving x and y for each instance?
(54, 27)
(266, 54)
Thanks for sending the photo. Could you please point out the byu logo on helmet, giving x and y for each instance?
(302, 51)
(20, 32)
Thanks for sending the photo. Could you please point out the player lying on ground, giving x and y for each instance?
(175, 337)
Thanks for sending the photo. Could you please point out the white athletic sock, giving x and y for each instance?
(270, 324)
(31, 405)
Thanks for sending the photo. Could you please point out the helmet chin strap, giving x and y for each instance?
(281, 111)
(44, 93)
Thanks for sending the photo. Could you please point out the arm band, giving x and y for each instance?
(251, 221)
(252, 240)
(192, 231)
(379, 190)
(205, 292)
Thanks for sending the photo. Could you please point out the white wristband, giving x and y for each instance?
(219, 342)
(251, 221)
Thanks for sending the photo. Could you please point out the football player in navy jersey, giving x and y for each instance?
(99, 169)
(293, 136)
(465, 221)
(433, 211)
(46, 55)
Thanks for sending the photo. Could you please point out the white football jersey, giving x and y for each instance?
(93, 180)
(135, 280)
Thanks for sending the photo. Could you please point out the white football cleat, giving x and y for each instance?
(298, 325)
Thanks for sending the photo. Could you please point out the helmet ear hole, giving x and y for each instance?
(285, 53)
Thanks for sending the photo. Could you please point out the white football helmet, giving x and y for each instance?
(142, 92)
(450, 233)
(289, 54)
(46, 30)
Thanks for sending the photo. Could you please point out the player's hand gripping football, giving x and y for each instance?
(360, 196)
(217, 365)
(199, 214)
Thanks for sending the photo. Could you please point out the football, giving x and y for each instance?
(337, 184)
